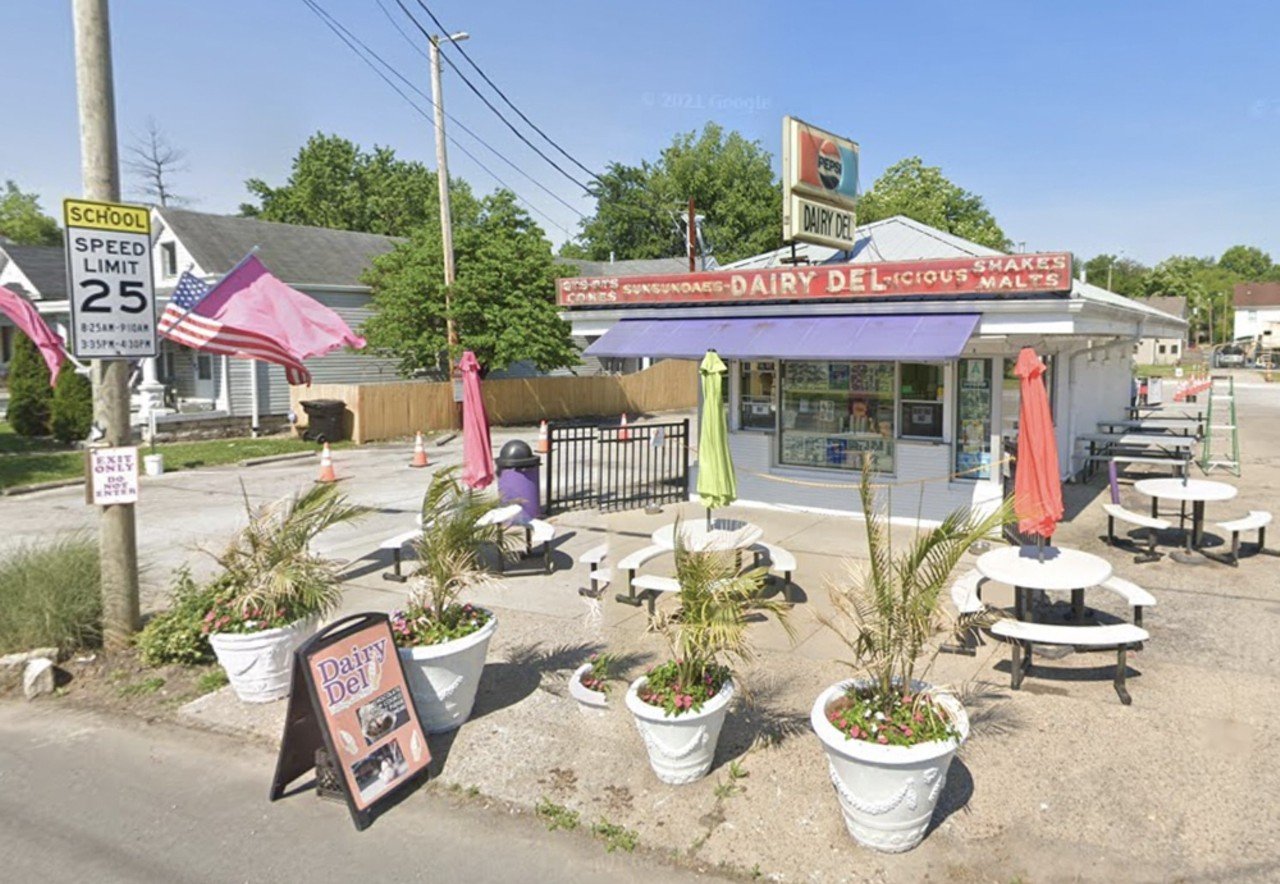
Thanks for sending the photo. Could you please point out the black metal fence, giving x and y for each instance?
(616, 468)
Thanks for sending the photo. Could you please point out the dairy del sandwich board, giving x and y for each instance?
(350, 699)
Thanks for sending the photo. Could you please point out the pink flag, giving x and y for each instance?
(250, 298)
(477, 450)
(24, 316)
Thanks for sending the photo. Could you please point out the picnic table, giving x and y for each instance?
(1028, 568)
(1167, 449)
(1198, 492)
(720, 535)
(1177, 425)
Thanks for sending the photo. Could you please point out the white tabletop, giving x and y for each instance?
(1191, 489)
(724, 534)
(1166, 440)
(1059, 569)
(500, 515)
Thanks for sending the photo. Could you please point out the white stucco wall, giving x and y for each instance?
(1250, 323)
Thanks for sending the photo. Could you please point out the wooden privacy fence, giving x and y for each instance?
(395, 410)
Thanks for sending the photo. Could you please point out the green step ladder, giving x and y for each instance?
(1220, 424)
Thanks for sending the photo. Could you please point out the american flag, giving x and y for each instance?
(183, 323)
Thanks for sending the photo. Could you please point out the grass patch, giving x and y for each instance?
(142, 688)
(212, 681)
(51, 594)
(556, 816)
(1162, 371)
(12, 443)
(615, 837)
(35, 464)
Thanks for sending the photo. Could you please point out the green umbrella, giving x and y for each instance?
(717, 485)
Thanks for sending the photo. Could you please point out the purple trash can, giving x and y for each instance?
(519, 471)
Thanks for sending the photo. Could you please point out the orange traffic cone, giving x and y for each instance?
(624, 435)
(419, 452)
(544, 441)
(327, 474)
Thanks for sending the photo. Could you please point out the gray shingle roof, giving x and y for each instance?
(296, 254)
(630, 267)
(1174, 305)
(45, 266)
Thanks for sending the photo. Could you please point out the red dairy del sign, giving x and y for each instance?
(1042, 273)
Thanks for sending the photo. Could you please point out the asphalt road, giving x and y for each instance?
(85, 797)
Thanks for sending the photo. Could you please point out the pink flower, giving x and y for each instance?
(906, 731)
(919, 719)
(882, 739)
(906, 699)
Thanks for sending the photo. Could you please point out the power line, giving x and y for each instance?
(324, 17)
(427, 98)
(489, 104)
(503, 96)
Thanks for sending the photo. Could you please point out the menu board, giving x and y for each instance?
(973, 420)
(350, 697)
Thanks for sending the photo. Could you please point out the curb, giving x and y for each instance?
(276, 458)
(40, 486)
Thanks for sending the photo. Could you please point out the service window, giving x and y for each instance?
(756, 391)
(836, 413)
(920, 394)
(974, 389)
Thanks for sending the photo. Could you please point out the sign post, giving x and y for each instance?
(112, 293)
(350, 710)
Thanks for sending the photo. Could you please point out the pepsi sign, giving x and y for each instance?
(818, 165)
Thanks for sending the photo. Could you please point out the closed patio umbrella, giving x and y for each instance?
(1037, 488)
(717, 485)
(477, 451)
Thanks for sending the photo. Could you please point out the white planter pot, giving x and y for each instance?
(153, 464)
(593, 703)
(681, 748)
(259, 665)
(887, 793)
(443, 678)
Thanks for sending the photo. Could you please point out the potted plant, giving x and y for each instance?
(889, 735)
(442, 641)
(680, 705)
(589, 684)
(273, 590)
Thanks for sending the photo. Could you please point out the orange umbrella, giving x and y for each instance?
(1037, 487)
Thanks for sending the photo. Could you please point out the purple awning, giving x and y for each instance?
(915, 336)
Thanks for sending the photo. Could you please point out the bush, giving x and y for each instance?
(51, 595)
(71, 412)
(177, 635)
(30, 395)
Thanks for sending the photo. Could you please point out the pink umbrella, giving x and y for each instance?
(477, 450)
(1037, 488)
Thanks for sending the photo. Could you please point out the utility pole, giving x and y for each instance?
(100, 173)
(446, 220)
(693, 238)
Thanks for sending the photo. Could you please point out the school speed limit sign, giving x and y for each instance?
(113, 299)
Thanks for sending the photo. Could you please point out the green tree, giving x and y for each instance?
(1126, 275)
(30, 395)
(334, 183)
(503, 300)
(641, 211)
(22, 221)
(71, 410)
(923, 193)
(1250, 263)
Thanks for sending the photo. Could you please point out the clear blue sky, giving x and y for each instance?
(1147, 128)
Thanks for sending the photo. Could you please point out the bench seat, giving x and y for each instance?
(397, 544)
(1150, 524)
(965, 595)
(652, 586)
(633, 562)
(598, 575)
(537, 533)
(1022, 634)
(1257, 520)
(779, 559)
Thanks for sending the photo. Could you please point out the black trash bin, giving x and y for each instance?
(325, 420)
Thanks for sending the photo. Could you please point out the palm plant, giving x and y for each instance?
(453, 537)
(888, 613)
(707, 631)
(269, 566)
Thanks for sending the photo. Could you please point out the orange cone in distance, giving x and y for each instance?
(544, 441)
(624, 435)
(327, 474)
(419, 453)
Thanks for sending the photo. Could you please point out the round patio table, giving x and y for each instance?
(721, 535)
(1199, 492)
(1051, 567)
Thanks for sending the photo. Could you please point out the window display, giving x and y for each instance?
(922, 399)
(835, 413)
(973, 419)
(756, 395)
